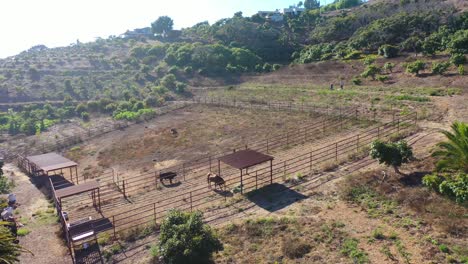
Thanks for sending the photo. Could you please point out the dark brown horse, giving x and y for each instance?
(218, 181)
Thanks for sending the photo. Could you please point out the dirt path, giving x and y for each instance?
(39, 218)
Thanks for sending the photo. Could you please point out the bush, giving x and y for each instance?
(5, 185)
(461, 69)
(267, 67)
(440, 68)
(371, 71)
(169, 81)
(350, 249)
(85, 116)
(388, 51)
(353, 55)
(454, 186)
(415, 67)
(185, 239)
(369, 61)
(356, 81)
(276, 67)
(458, 59)
(388, 67)
(382, 78)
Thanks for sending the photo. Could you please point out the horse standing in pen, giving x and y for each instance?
(218, 181)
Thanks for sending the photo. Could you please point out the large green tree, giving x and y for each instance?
(184, 238)
(391, 154)
(453, 152)
(162, 25)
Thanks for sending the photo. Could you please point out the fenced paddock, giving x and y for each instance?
(151, 211)
(192, 172)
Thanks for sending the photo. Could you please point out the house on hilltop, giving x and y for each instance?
(278, 16)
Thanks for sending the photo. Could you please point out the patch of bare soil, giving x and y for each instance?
(39, 217)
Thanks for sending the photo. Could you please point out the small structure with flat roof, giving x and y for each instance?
(50, 163)
(243, 160)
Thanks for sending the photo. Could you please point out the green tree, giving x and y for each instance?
(169, 81)
(311, 4)
(388, 67)
(459, 42)
(185, 239)
(440, 67)
(388, 51)
(453, 153)
(162, 25)
(371, 71)
(458, 59)
(391, 154)
(415, 67)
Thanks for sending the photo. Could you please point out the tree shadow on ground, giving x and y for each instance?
(274, 197)
(414, 179)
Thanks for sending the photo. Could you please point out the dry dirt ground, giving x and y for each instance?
(38, 216)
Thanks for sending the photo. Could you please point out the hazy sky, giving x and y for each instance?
(25, 23)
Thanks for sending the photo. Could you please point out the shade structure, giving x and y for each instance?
(245, 159)
(50, 162)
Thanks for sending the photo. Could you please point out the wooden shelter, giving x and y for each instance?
(46, 164)
(243, 160)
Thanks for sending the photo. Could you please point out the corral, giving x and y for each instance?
(137, 197)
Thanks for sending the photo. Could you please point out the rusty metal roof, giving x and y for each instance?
(77, 189)
(245, 158)
(51, 161)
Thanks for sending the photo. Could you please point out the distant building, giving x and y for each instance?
(293, 11)
(278, 16)
(274, 16)
(138, 32)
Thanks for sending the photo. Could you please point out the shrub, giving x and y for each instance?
(350, 249)
(23, 231)
(388, 67)
(267, 67)
(169, 81)
(440, 68)
(369, 61)
(356, 81)
(453, 186)
(85, 116)
(415, 67)
(371, 71)
(276, 67)
(444, 248)
(5, 185)
(388, 51)
(382, 78)
(458, 59)
(353, 55)
(461, 69)
(185, 239)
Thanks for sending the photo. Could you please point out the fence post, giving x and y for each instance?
(287, 138)
(113, 225)
(154, 212)
(284, 168)
(183, 170)
(123, 187)
(357, 143)
(267, 147)
(310, 160)
(378, 132)
(336, 151)
(398, 125)
(210, 162)
(191, 206)
(156, 178)
(256, 180)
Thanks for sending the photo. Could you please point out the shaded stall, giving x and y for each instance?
(243, 160)
(91, 186)
(50, 163)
